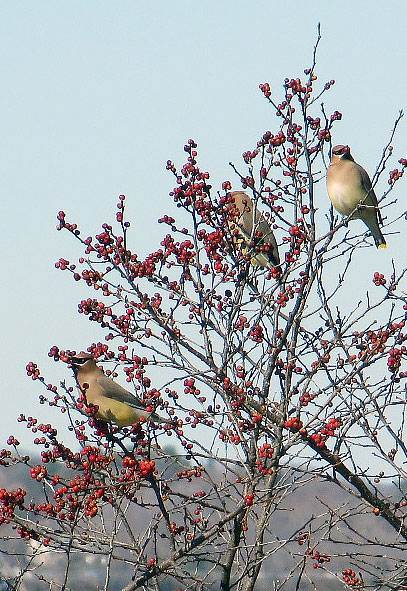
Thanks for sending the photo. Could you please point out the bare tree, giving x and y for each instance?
(283, 462)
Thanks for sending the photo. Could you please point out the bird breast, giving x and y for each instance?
(344, 197)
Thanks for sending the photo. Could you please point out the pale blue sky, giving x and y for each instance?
(97, 95)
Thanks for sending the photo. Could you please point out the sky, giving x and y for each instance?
(98, 95)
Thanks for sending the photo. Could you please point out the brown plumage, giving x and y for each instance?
(255, 235)
(351, 192)
(115, 404)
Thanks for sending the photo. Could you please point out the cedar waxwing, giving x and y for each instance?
(115, 404)
(254, 230)
(351, 192)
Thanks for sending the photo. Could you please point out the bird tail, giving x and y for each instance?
(379, 239)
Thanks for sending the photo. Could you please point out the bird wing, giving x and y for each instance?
(367, 186)
(262, 226)
(113, 390)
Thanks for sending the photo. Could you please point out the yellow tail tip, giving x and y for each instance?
(383, 245)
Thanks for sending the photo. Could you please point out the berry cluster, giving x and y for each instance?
(395, 357)
(294, 424)
(10, 500)
(350, 578)
(318, 557)
(249, 499)
(256, 334)
(378, 279)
